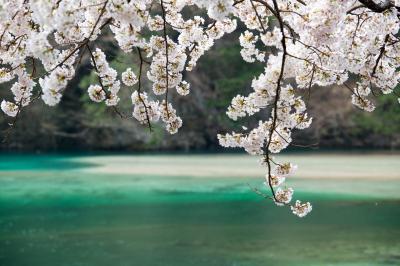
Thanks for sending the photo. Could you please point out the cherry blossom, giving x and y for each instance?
(302, 43)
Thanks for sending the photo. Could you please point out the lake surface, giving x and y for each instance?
(196, 210)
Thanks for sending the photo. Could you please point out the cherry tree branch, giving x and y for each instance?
(108, 94)
(166, 55)
(377, 7)
(86, 41)
(381, 52)
(276, 100)
(140, 87)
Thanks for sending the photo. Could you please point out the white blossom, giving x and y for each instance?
(275, 180)
(183, 88)
(283, 196)
(301, 209)
(96, 93)
(129, 78)
(319, 42)
(9, 108)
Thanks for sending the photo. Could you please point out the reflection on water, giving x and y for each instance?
(71, 217)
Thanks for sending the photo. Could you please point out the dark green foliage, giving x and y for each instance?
(77, 123)
(385, 120)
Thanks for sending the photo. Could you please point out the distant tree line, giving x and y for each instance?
(219, 76)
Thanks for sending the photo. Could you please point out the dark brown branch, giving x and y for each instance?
(350, 11)
(97, 70)
(355, 92)
(86, 41)
(277, 96)
(108, 94)
(381, 52)
(314, 145)
(7, 26)
(302, 2)
(377, 7)
(258, 17)
(310, 84)
(275, 12)
(258, 192)
(166, 55)
(11, 125)
(140, 87)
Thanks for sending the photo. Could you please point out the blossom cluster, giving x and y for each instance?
(283, 196)
(301, 43)
(21, 90)
(109, 85)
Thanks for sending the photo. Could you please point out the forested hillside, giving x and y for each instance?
(220, 75)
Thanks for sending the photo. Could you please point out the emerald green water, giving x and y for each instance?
(54, 210)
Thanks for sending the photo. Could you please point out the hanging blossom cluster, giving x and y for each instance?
(302, 43)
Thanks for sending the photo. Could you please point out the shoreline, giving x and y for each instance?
(311, 166)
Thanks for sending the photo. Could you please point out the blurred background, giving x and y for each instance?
(81, 186)
(79, 124)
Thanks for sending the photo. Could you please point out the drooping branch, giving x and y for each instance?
(277, 96)
(140, 87)
(12, 124)
(97, 70)
(166, 55)
(107, 93)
